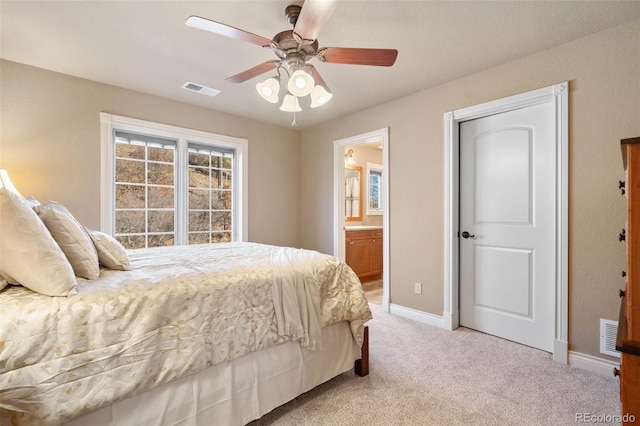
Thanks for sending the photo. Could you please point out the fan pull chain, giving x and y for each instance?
(293, 123)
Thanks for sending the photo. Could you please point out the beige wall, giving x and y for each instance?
(604, 102)
(50, 144)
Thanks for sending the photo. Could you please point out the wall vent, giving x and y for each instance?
(608, 332)
(199, 88)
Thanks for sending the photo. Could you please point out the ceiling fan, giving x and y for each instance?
(294, 48)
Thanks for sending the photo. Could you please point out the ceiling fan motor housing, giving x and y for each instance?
(284, 44)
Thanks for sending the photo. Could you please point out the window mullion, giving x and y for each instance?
(182, 192)
(146, 195)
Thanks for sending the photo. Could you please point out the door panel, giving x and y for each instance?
(501, 153)
(376, 253)
(507, 203)
(358, 253)
(496, 266)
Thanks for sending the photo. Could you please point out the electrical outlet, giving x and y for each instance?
(418, 288)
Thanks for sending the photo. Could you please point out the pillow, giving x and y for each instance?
(3, 282)
(111, 253)
(72, 239)
(7, 279)
(32, 201)
(28, 252)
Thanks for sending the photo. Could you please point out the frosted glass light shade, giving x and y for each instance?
(5, 182)
(350, 161)
(290, 104)
(320, 96)
(269, 89)
(300, 83)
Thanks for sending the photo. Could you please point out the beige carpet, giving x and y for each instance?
(373, 290)
(423, 375)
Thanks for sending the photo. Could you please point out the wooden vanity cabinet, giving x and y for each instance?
(628, 338)
(364, 253)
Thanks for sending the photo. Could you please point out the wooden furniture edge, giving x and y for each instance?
(631, 147)
(630, 140)
(623, 144)
(622, 343)
(361, 366)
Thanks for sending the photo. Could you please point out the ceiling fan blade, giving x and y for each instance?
(313, 16)
(252, 72)
(226, 30)
(359, 56)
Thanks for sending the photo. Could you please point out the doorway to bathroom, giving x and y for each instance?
(361, 205)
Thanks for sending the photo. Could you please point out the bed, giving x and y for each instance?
(189, 335)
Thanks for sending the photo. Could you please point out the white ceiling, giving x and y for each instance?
(145, 45)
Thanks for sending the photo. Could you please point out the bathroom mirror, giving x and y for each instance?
(352, 193)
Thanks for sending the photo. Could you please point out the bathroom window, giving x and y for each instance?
(374, 198)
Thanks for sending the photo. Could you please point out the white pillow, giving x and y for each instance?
(28, 252)
(72, 239)
(111, 253)
(32, 201)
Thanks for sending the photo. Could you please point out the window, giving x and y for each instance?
(210, 194)
(374, 199)
(163, 185)
(144, 213)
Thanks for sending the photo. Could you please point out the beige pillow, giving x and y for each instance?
(28, 252)
(111, 253)
(7, 279)
(72, 239)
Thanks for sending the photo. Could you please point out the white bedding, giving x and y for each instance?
(178, 311)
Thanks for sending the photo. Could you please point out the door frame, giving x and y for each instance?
(338, 195)
(558, 94)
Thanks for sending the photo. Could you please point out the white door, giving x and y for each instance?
(507, 207)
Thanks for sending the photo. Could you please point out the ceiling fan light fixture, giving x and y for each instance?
(320, 96)
(290, 104)
(301, 83)
(269, 89)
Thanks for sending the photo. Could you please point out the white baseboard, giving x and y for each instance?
(449, 322)
(561, 351)
(588, 362)
(424, 317)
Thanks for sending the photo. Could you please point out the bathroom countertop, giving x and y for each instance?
(362, 228)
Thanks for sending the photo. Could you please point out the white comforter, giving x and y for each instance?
(179, 310)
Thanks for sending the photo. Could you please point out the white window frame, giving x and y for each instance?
(183, 136)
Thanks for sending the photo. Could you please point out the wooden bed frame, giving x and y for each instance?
(361, 366)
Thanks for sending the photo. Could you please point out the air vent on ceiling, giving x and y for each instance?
(199, 88)
(608, 332)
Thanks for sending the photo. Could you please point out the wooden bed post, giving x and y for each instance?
(361, 366)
